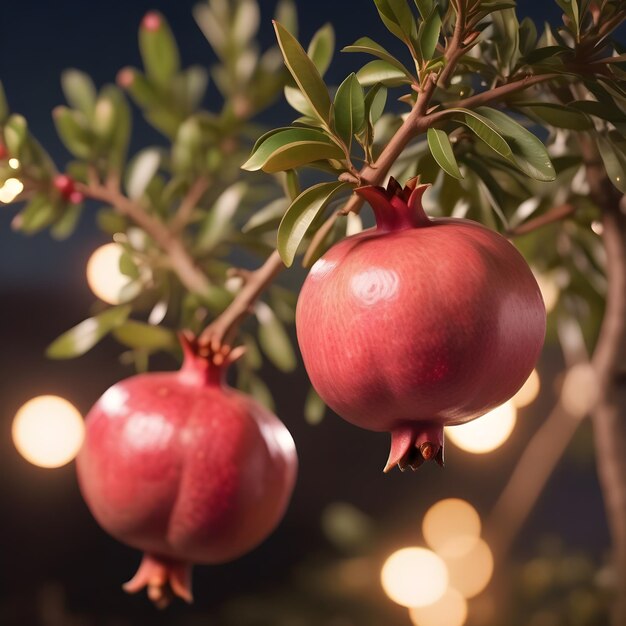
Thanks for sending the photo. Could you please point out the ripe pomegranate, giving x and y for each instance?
(186, 469)
(418, 324)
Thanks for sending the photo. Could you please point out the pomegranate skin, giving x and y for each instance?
(418, 324)
(185, 469)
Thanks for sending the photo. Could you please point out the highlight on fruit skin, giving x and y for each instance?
(185, 469)
(418, 324)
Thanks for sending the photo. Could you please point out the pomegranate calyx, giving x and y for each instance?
(201, 363)
(163, 578)
(412, 444)
(395, 207)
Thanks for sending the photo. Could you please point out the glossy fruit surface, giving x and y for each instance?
(180, 466)
(418, 324)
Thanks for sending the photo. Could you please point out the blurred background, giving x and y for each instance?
(323, 564)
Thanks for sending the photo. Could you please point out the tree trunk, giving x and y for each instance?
(609, 363)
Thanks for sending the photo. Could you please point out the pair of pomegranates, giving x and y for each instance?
(409, 327)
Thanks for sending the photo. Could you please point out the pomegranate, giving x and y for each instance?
(418, 324)
(186, 469)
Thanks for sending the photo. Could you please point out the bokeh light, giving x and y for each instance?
(486, 433)
(103, 273)
(48, 431)
(529, 391)
(580, 390)
(471, 572)
(451, 527)
(414, 577)
(449, 610)
(14, 163)
(10, 190)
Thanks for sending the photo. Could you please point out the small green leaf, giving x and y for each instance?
(36, 215)
(287, 15)
(141, 170)
(382, 72)
(349, 109)
(442, 151)
(290, 148)
(367, 45)
(67, 223)
(159, 51)
(322, 48)
(274, 340)
(398, 18)
(428, 35)
(245, 22)
(79, 91)
(268, 217)
(260, 391)
(219, 219)
(425, 7)
(614, 162)
(304, 73)
(301, 214)
(529, 153)
(73, 132)
(484, 129)
(87, 334)
(314, 408)
(139, 335)
(292, 184)
(110, 221)
(15, 134)
(557, 115)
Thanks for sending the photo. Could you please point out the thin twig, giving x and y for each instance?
(555, 214)
(188, 204)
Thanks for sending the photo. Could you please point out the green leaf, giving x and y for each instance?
(73, 132)
(304, 73)
(442, 151)
(298, 101)
(527, 36)
(79, 91)
(141, 170)
(322, 48)
(36, 215)
(398, 18)
(349, 109)
(375, 101)
(274, 340)
(292, 184)
(425, 7)
(67, 223)
(314, 408)
(268, 217)
(260, 391)
(428, 35)
(614, 162)
(159, 52)
(219, 219)
(506, 38)
(4, 105)
(367, 45)
(287, 15)
(110, 221)
(245, 22)
(557, 115)
(529, 153)
(88, 333)
(301, 214)
(382, 72)
(15, 134)
(287, 149)
(139, 335)
(484, 129)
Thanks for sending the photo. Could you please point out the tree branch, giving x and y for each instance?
(190, 275)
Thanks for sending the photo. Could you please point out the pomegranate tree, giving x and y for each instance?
(418, 324)
(186, 469)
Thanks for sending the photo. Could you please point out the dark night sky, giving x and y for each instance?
(45, 530)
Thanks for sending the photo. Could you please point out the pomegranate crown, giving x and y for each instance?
(395, 207)
(202, 362)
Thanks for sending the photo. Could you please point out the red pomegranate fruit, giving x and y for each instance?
(186, 469)
(418, 324)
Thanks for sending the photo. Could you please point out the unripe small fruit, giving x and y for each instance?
(418, 324)
(64, 184)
